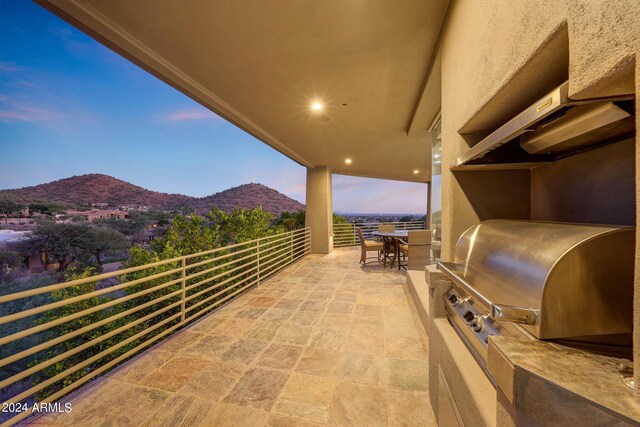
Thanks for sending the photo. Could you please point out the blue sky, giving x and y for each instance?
(70, 106)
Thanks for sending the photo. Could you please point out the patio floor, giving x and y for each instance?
(324, 342)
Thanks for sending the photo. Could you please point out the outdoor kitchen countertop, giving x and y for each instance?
(543, 380)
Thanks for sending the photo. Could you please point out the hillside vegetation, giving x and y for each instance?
(98, 188)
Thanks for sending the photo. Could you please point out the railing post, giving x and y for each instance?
(183, 306)
(258, 251)
(291, 247)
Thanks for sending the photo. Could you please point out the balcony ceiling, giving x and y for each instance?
(260, 64)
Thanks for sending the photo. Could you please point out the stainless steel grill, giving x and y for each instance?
(569, 283)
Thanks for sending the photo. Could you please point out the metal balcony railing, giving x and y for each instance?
(106, 325)
(346, 235)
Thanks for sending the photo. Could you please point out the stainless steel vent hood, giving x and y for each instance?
(551, 128)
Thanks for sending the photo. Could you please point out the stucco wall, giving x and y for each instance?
(501, 55)
(597, 186)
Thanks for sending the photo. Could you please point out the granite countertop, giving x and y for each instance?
(588, 376)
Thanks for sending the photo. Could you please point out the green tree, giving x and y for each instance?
(64, 243)
(106, 241)
(186, 235)
(407, 218)
(290, 220)
(9, 207)
(48, 208)
(73, 243)
(338, 219)
(240, 225)
(160, 217)
(129, 227)
(8, 262)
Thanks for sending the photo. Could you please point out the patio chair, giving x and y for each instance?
(415, 254)
(386, 228)
(368, 246)
(389, 252)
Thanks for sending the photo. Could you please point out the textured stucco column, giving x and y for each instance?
(320, 209)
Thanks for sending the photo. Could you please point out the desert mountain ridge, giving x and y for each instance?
(100, 188)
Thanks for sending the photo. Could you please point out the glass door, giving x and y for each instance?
(436, 189)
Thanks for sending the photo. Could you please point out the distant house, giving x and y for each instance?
(147, 235)
(141, 208)
(96, 214)
(36, 262)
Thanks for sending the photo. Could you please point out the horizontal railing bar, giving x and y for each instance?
(286, 242)
(114, 302)
(286, 234)
(48, 325)
(102, 276)
(217, 285)
(280, 238)
(269, 263)
(294, 240)
(84, 346)
(199, 303)
(275, 264)
(305, 252)
(270, 255)
(219, 275)
(287, 245)
(93, 374)
(220, 301)
(26, 313)
(235, 245)
(225, 256)
(88, 328)
(218, 267)
(295, 235)
(346, 235)
(88, 361)
(51, 288)
(279, 262)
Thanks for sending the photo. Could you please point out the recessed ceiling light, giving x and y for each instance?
(316, 106)
(348, 161)
(416, 171)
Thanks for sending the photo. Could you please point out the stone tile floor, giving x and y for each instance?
(324, 342)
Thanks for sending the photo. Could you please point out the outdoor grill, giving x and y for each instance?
(568, 283)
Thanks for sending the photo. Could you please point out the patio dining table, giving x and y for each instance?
(388, 237)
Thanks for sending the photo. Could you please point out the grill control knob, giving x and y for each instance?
(453, 299)
(477, 327)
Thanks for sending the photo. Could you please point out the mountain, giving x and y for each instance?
(98, 188)
(248, 196)
(94, 188)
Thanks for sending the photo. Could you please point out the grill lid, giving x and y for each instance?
(577, 278)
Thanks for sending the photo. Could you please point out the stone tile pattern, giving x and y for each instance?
(324, 342)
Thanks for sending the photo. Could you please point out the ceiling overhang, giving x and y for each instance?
(260, 65)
